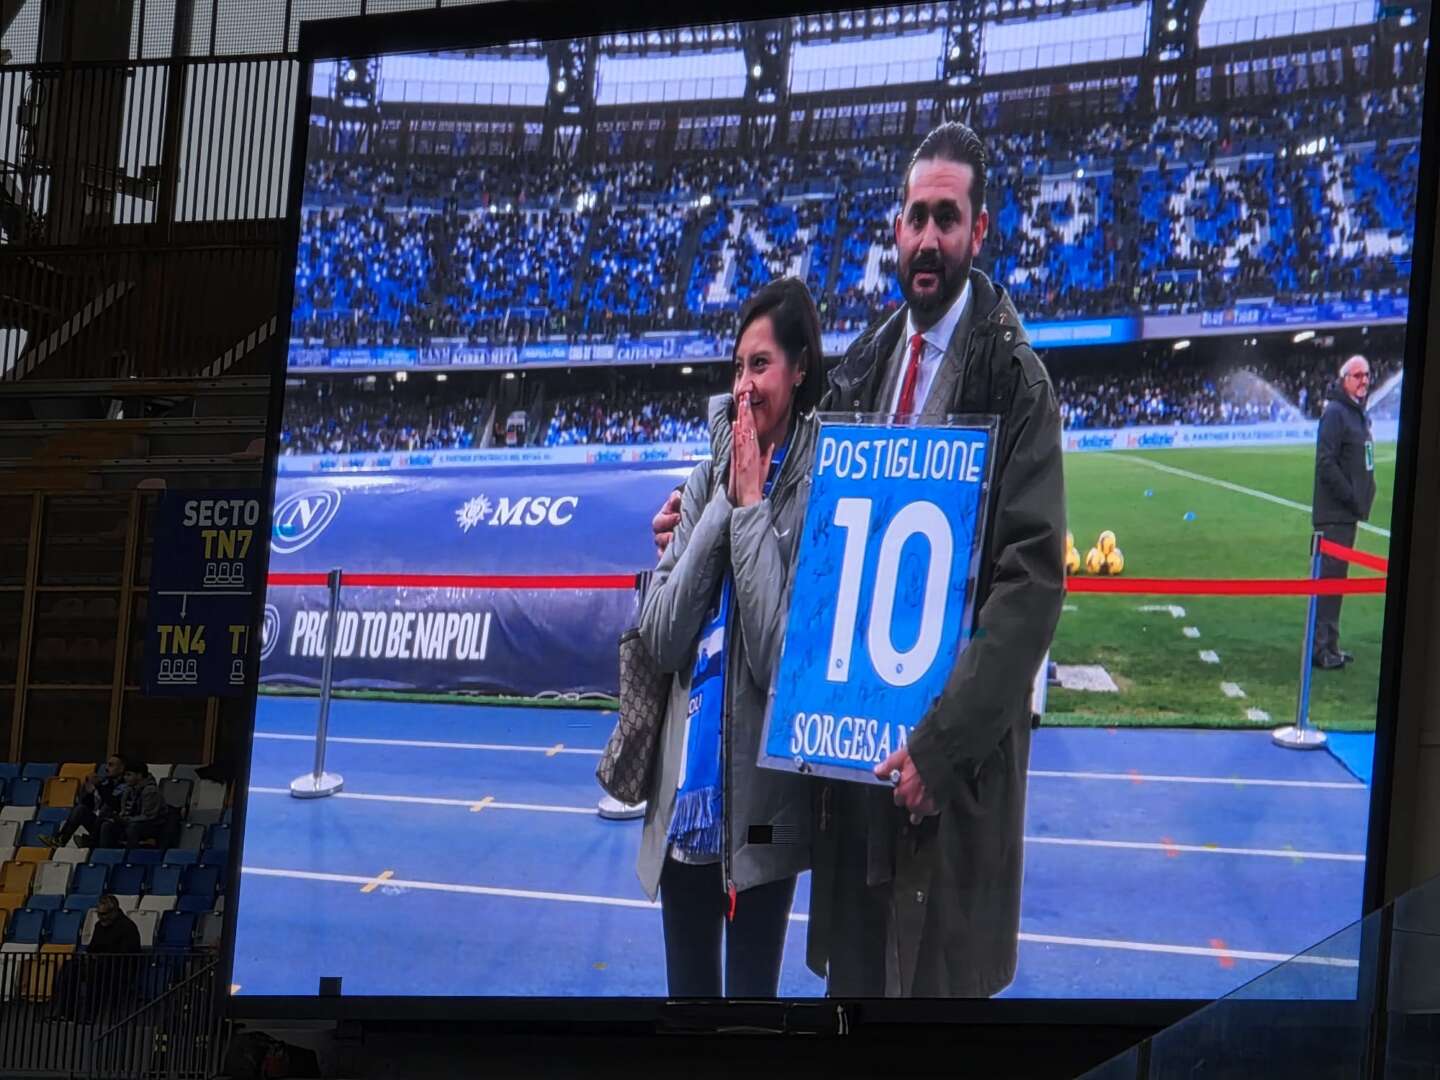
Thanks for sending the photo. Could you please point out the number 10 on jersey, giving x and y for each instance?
(882, 591)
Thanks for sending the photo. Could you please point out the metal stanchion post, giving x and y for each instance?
(318, 783)
(1300, 735)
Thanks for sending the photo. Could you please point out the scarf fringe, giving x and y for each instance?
(697, 825)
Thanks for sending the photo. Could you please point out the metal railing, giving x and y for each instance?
(152, 1016)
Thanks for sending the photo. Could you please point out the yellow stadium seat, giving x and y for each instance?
(38, 979)
(11, 902)
(33, 855)
(76, 770)
(17, 877)
(60, 791)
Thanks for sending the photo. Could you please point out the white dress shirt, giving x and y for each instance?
(937, 343)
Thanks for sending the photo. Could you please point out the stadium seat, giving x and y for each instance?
(52, 816)
(27, 927)
(72, 854)
(79, 770)
(215, 857)
(161, 772)
(33, 834)
(60, 791)
(24, 792)
(41, 972)
(80, 903)
(13, 901)
(53, 879)
(185, 772)
(127, 880)
(18, 815)
(165, 880)
(17, 877)
(144, 857)
(192, 838)
(39, 770)
(176, 793)
(17, 948)
(202, 880)
(9, 770)
(207, 802)
(91, 880)
(7, 854)
(177, 930)
(146, 922)
(41, 902)
(161, 902)
(9, 834)
(210, 928)
(198, 904)
(87, 927)
(107, 856)
(218, 837)
(35, 854)
(181, 857)
(128, 901)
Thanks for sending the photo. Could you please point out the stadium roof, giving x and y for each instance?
(1023, 45)
(1230, 22)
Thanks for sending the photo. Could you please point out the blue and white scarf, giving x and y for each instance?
(697, 826)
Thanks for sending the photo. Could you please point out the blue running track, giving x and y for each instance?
(465, 858)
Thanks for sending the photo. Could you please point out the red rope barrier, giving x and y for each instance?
(463, 581)
(1359, 558)
(1227, 587)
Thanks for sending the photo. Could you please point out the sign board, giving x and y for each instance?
(883, 590)
(203, 588)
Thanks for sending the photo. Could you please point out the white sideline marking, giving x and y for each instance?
(548, 751)
(1210, 656)
(1068, 607)
(1137, 845)
(1175, 610)
(795, 916)
(1230, 689)
(1239, 488)
(1260, 716)
(1197, 849)
(1130, 778)
(1086, 677)
(1190, 631)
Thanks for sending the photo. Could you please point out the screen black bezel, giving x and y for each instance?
(506, 21)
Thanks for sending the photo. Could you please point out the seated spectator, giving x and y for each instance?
(142, 817)
(84, 985)
(97, 801)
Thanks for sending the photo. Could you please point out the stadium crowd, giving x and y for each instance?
(331, 416)
(628, 418)
(1309, 203)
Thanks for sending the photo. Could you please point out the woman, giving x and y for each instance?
(713, 846)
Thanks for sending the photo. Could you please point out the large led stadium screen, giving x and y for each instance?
(522, 271)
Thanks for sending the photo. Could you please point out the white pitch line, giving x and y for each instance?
(1231, 690)
(1330, 785)
(795, 916)
(426, 800)
(1210, 656)
(1190, 631)
(1260, 716)
(1197, 849)
(549, 751)
(1238, 488)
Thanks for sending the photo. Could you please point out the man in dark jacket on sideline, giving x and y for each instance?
(1344, 492)
(916, 891)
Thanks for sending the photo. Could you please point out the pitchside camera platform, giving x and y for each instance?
(1120, 363)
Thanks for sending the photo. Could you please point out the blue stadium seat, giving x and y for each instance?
(33, 834)
(215, 857)
(82, 904)
(164, 881)
(27, 927)
(219, 837)
(227, 818)
(92, 880)
(144, 857)
(52, 815)
(177, 930)
(181, 857)
(65, 927)
(9, 770)
(196, 904)
(192, 837)
(107, 856)
(40, 770)
(43, 902)
(202, 880)
(127, 880)
(24, 792)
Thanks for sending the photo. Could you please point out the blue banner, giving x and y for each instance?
(203, 587)
(883, 593)
(553, 522)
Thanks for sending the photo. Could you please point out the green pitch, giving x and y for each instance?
(1235, 534)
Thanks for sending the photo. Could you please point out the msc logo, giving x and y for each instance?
(302, 517)
(540, 510)
(269, 631)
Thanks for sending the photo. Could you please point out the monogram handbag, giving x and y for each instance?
(628, 760)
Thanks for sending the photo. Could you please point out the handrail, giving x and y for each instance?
(204, 970)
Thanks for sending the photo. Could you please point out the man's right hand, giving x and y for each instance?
(663, 524)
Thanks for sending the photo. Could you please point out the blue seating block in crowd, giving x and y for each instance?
(177, 929)
(144, 857)
(107, 856)
(181, 857)
(201, 880)
(164, 881)
(27, 927)
(128, 880)
(52, 815)
(39, 770)
(80, 903)
(65, 927)
(196, 903)
(9, 770)
(24, 791)
(215, 857)
(33, 834)
(90, 880)
(218, 837)
(44, 902)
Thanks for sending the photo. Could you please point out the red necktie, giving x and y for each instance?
(912, 376)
